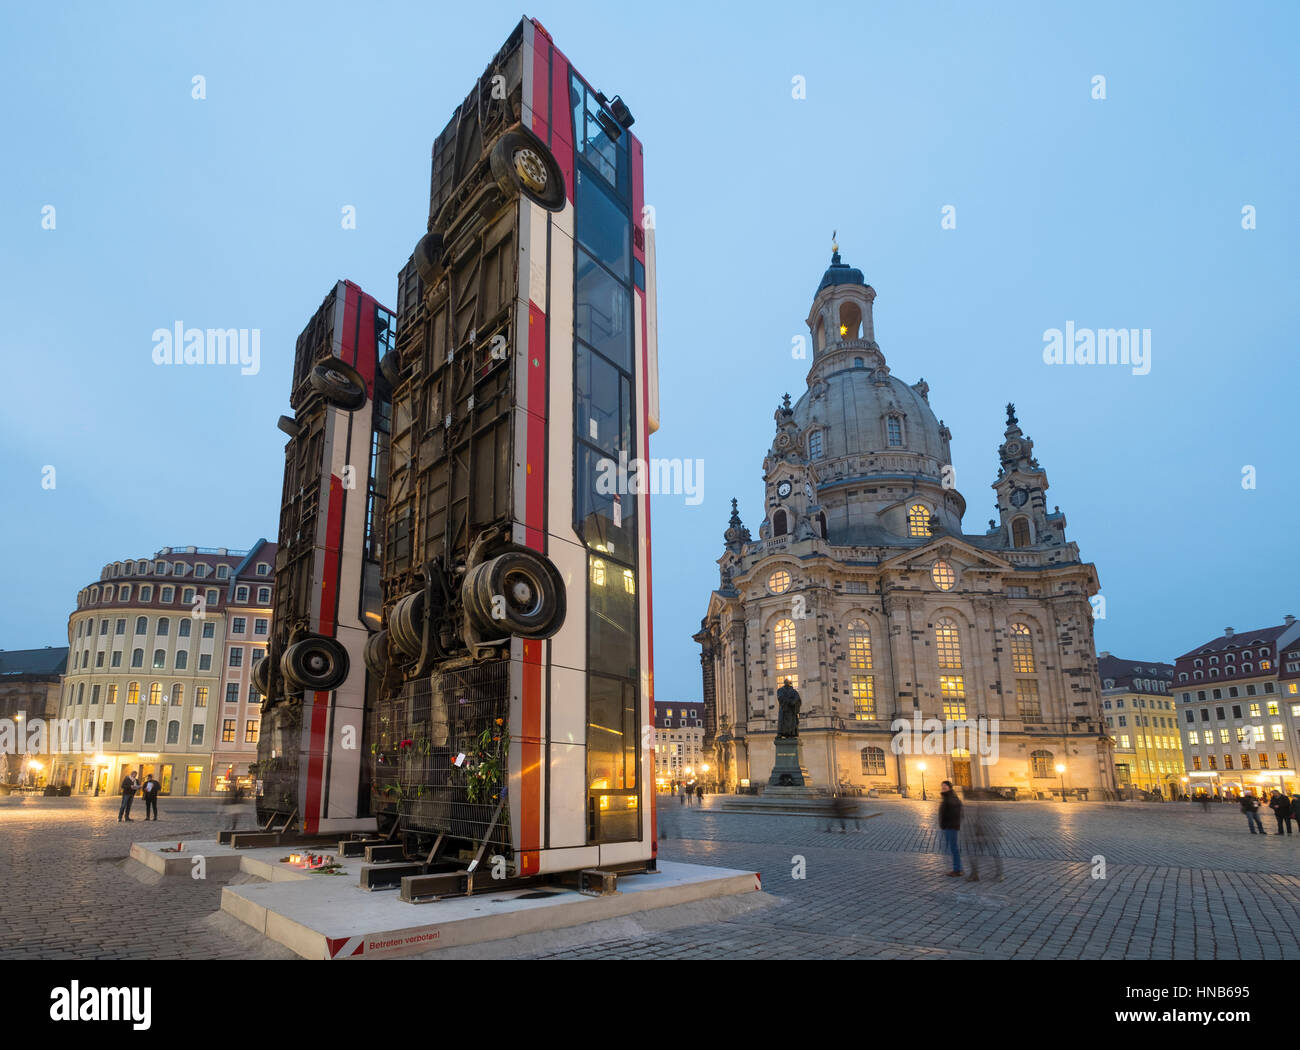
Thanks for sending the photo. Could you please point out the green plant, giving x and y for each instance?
(485, 773)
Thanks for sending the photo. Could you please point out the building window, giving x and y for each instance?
(864, 699)
(1027, 699)
(785, 648)
(182, 658)
(918, 520)
(164, 625)
(141, 624)
(200, 570)
(259, 626)
(815, 445)
(873, 762)
(209, 630)
(151, 732)
(196, 736)
(250, 731)
(205, 661)
(1022, 649)
(160, 658)
(232, 692)
(183, 628)
(187, 596)
(146, 594)
(173, 732)
(228, 731)
(1020, 532)
(777, 583)
(237, 656)
(894, 430)
(952, 691)
(223, 572)
(155, 694)
(128, 731)
(241, 594)
(201, 696)
(264, 596)
(111, 697)
(947, 643)
(238, 625)
(213, 597)
(263, 569)
(1040, 763)
(124, 594)
(137, 657)
(1196, 762)
(779, 526)
(178, 694)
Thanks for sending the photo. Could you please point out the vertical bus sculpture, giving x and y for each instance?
(312, 761)
(514, 670)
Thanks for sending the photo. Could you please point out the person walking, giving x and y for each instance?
(983, 841)
(699, 794)
(150, 792)
(1250, 806)
(950, 824)
(1281, 807)
(129, 785)
(685, 792)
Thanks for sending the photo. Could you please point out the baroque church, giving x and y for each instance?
(862, 589)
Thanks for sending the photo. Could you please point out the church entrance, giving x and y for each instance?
(961, 772)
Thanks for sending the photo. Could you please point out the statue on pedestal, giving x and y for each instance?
(787, 723)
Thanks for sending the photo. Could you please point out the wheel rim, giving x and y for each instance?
(531, 169)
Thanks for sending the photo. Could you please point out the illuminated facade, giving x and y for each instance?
(1138, 701)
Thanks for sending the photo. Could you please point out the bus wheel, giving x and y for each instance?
(315, 663)
(340, 384)
(375, 654)
(428, 259)
(406, 622)
(521, 163)
(262, 676)
(519, 593)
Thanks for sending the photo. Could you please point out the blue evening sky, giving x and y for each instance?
(1117, 213)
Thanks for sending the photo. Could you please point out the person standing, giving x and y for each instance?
(1281, 807)
(129, 785)
(699, 794)
(950, 824)
(1250, 806)
(150, 792)
(685, 791)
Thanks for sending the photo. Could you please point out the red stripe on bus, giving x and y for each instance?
(541, 87)
(535, 465)
(316, 760)
(530, 803)
(562, 120)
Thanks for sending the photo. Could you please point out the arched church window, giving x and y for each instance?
(918, 520)
(786, 652)
(1020, 532)
(1022, 649)
(780, 525)
(850, 321)
(859, 362)
(873, 762)
(819, 336)
(1040, 764)
(815, 445)
(859, 646)
(821, 523)
(947, 643)
(894, 430)
(943, 576)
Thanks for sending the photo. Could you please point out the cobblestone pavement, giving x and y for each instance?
(1179, 883)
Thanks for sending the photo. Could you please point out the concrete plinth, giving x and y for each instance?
(788, 771)
(330, 917)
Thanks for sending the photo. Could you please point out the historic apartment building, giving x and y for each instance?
(1138, 704)
(29, 690)
(864, 590)
(150, 659)
(1239, 703)
(679, 744)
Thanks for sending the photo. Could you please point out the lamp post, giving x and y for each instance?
(1060, 768)
(921, 767)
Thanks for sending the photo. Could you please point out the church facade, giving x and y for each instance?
(921, 653)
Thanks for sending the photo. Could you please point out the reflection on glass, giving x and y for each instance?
(603, 312)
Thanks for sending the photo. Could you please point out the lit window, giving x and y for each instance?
(952, 691)
(155, 694)
(787, 663)
(943, 576)
(873, 762)
(1027, 699)
(132, 692)
(864, 697)
(947, 643)
(779, 582)
(918, 520)
(1022, 649)
(1040, 762)
(859, 646)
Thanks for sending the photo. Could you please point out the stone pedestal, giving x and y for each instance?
(789, 776)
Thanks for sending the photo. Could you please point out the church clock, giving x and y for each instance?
(783, 489)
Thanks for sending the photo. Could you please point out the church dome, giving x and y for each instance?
(859, 410)
(840, 273)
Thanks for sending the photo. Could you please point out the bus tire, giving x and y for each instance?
(262, 676)
(428, 259)
(315, 663)
(406, 623)
(340, 384)
(517, 593)
(375, 653)
(521, 164)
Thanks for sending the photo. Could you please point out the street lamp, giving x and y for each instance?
(921, 767)
(1060, 768)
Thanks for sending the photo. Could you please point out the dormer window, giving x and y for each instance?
(918, 520)
(894, 431)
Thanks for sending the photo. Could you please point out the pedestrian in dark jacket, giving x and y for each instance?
(1250, 806)
(150, 792)
(699, 794)
(1281, 807)
(950, 824)
(129, 785)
